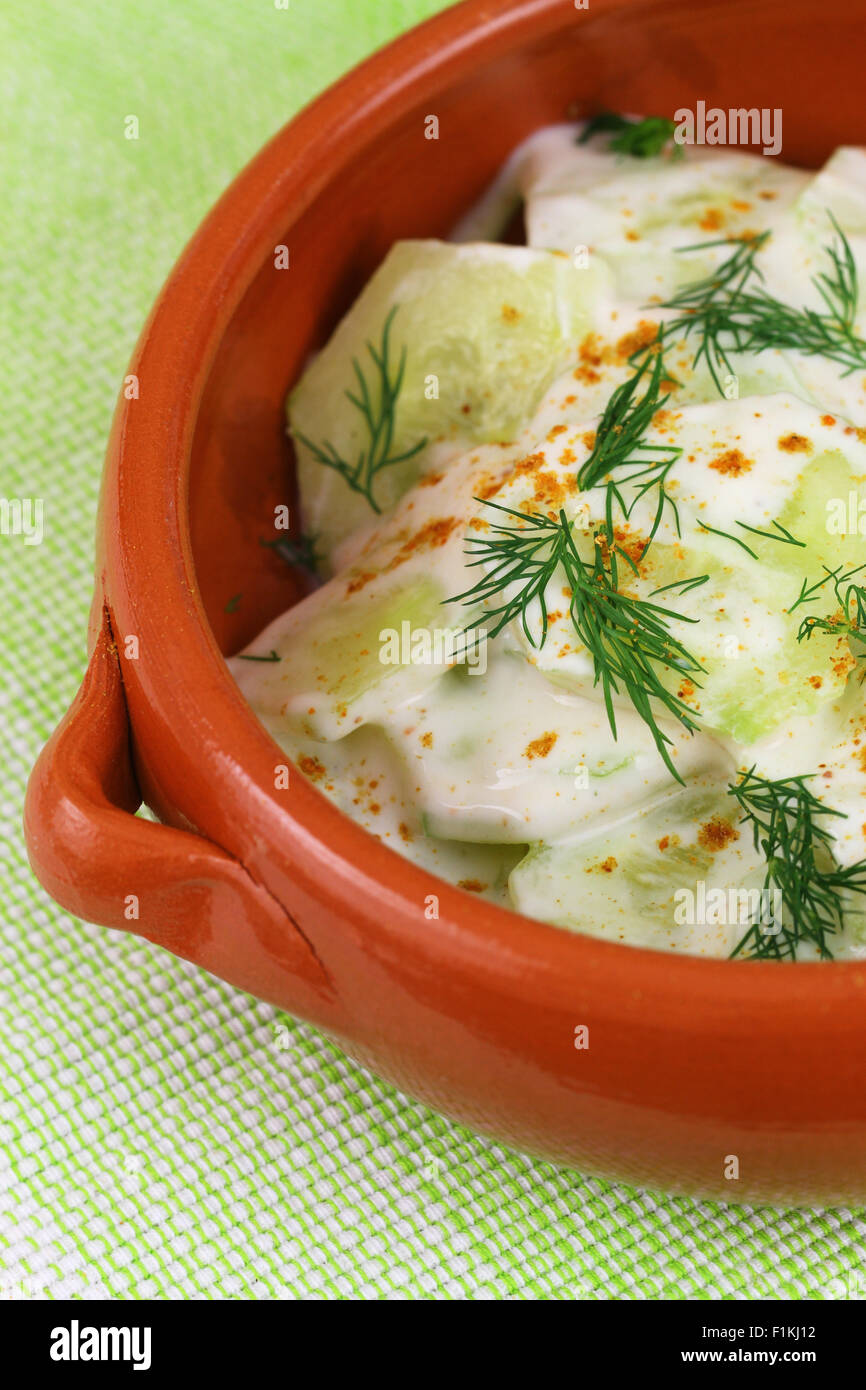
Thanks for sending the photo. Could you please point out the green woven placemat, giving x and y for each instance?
(162, 1134)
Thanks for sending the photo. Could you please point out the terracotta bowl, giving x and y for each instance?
(691, 1063)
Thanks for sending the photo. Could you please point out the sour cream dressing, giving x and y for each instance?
(502, 774)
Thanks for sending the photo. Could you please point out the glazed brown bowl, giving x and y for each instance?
(691, 1064)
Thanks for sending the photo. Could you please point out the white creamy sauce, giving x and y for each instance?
(498, 768)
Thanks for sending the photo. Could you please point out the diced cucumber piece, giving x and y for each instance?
(839, 187)
(654, 880)
(825, 511)
(381, 630)
(750, 374)
(484, 329)
(336, 656)
(637, 215)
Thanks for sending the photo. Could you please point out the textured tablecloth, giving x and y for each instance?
(162, 1134)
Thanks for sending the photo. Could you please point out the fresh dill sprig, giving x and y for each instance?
(377, 405)
(730, 311)
(619, 455)
(809, 591)
(625, 419)
(787, 827)
(851, 598)
(684, 585)
(528, 555)
(626, 638)
(708, 308)
(272, 656)
(738, 540)
(642, 139)
(781, 534)
(838, 287)
(773, 324)
(300, 552)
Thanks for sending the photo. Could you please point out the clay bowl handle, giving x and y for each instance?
(107, 865)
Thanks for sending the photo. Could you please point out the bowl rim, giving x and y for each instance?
(146, 551)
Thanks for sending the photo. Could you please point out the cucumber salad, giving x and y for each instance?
(587, 519)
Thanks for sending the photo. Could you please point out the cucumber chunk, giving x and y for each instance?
(335, 660)
(484, 329)
(637, 215)
(654, 881)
